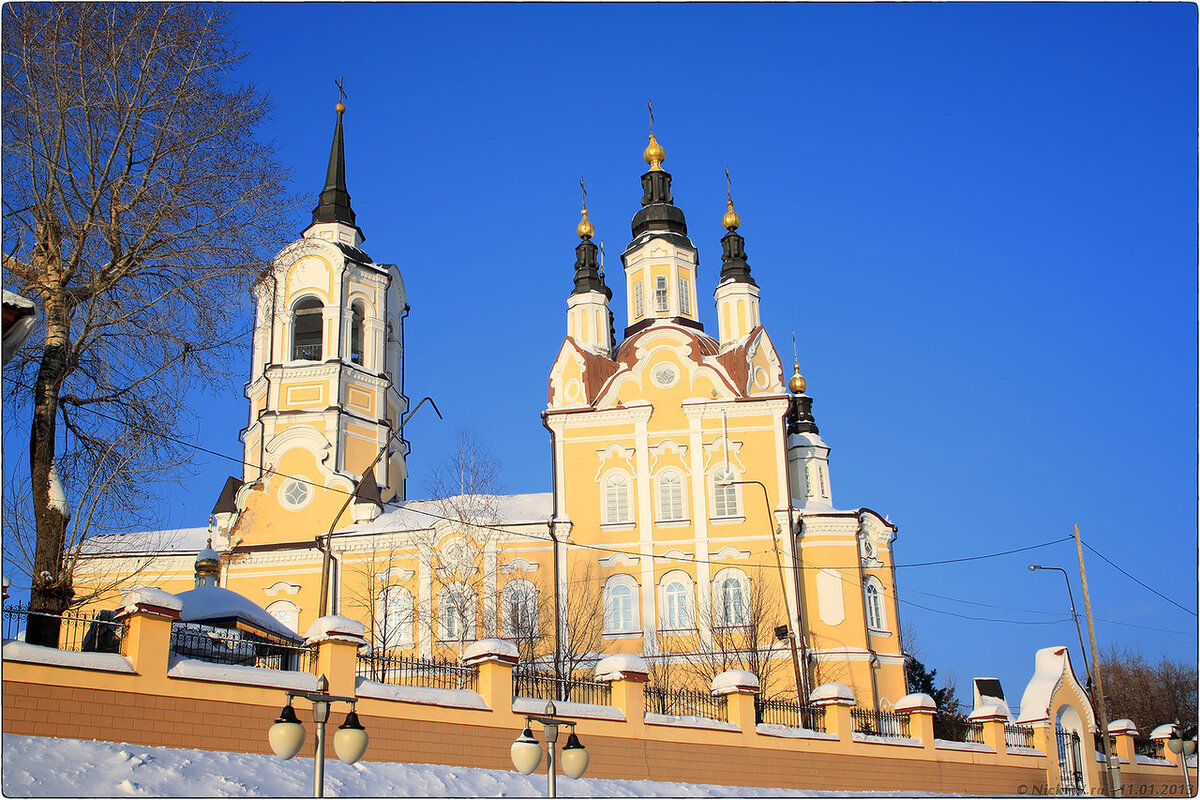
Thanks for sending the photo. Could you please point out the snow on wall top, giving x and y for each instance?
(421, 514)
(148, 595)
(334, 627)
(212, 603)
(732, 680)
(1052, 667)
(485, 647)
(614, 667)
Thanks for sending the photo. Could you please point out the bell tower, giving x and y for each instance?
(327, 369)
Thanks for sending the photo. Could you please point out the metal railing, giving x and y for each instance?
(686, 703)
(239, 648)
(547, 686)
(951, 729)
(789, 714)
(84, 633)
(1018, 735)
(427, 672)
(879, 723)
(1151, 748)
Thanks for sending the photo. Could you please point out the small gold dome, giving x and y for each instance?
(797, 384)
(339, 108)
(585, 228)
(731, 220)
(654, 154)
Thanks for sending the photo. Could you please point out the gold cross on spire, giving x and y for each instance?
(585, 229)
(731, 220)
(584, 190)
(341, 94)
(650, 107)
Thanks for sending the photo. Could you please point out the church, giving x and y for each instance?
(691, 517)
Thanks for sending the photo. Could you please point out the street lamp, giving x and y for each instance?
(527, 753)
(1087, 670)
(1187, 747)
(287, 734)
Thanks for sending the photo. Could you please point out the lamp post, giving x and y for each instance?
(287, 734)
(1182, 748)
(527, 753)
(1074, 616)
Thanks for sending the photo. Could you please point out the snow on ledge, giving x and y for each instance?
(486, 649)
(565, 708)
(900, 741)
(14, 650)
(1152, 760)
(335, 628)
(784, 732)
(421, 695)
(690, 722)
(621, 665)
(1024, 751)
(192, 669)
(149, 596)
(975, 747)
(734, 680)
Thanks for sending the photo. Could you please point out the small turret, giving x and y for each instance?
(737, 293)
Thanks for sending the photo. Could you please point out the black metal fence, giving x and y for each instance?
(427, 672)
(1018, 735)
(239, 648)
(956, 729)
(547, 686)
(788, 713)
(686, 703)
(1150, 748)
(879, 723)
(84, 633)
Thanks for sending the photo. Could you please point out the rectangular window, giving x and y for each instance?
(660, 294)
(685, 296)
(639, 306)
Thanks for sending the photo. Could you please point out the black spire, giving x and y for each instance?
(658, 212)
(334, 204)
(587, 271)
(733, 259)
(800, 418)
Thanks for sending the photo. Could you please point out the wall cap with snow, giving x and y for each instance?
(1051, 672)
(1125, 726)
(335, 629)
(152, 601)
(916, 703)
(484, 650)
(1163, 731)
(735, 680)
(622, 667)
(989, 712)
(833, 694)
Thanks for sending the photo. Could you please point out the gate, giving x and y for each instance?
(1070, 763)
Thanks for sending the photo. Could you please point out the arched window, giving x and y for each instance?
(286, 612)
(356, 333)
(519, 610)
(616, 498)
(677, 602)
(873, 595)
(456, 613)
(660, 294)
(307, 325)
(394, 619)
(670, 495)
(685, 296)
(620, 605)
(725, 493)
(730, 600)
(639, 307)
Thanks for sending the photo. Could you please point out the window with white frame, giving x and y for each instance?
(730, 598)
(725, 493)
(356, 333)
(620, 605)
(660, 293)
(286, 612)
(616, 498)
(519, 610)
(394, 619)
(307, 324)
(676, 593)
(685, 296)
(670, 495)
(456, 613)
(873, 596)
(639, 304)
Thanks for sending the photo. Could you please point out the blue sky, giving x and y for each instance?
(979, 220)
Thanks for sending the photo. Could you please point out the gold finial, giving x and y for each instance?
(585, 229)
(340, 107)
(731, 220)
(797, 384)
(654, 154)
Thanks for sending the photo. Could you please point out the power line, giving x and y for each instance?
(1139, 583)
(986, 555)
(1145, 627)
(986, 619)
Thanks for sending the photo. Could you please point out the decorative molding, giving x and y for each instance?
(679, 555)
(711, 409)
(394, 573)
(281, 587)
(615, 451)
(731, 553)
(519, 564)
(618, 560)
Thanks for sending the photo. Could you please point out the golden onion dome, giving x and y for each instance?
(797, 384)
(585, 228)
(731, 220)
(654, 154)
(208, 560)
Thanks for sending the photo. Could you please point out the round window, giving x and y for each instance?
(295, 494)
(665, 375)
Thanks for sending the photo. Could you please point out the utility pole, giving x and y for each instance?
(1114, 768)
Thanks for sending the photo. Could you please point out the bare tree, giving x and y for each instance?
(137, 203)
(385, 607)
(1150, 694)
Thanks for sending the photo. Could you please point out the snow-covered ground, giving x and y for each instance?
(43, 767)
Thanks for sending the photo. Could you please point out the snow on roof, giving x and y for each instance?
(166, 542)
(213, 603)
(502, 509)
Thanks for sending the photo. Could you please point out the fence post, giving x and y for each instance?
(626, 675)
(920, 709)
(1122, 731)
(494, 659)
(337, 640)
(148, 615)
(837, 699)
(994, 717)
(739, 688)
